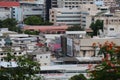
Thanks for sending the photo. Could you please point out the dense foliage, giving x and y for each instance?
(78, 77)
(36, 20)
(109, 69)
(9, 23)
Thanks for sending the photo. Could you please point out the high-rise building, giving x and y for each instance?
(47, 7)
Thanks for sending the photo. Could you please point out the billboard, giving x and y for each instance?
(70, 47)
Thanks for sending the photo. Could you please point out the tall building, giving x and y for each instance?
(47, 7)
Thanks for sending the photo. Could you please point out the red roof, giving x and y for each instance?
(46, 28)
(9, 4)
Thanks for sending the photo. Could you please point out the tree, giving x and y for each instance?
(75, 28)
(1, 24)
(109, 69)
(33, 20)
(47, 23)
(78, 77)
(26, 69)
(9, 23)
(31, 32)
(98, 25)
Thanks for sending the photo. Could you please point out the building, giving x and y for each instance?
(41, 56)
(7, 9)
(47, 29)
(109, 2)
(76, 34)
(65, 16)
(73, 4)
(77, 3)
(54, 3)
(32, 8)
(87, 12)
(111, 22)
(47, 7)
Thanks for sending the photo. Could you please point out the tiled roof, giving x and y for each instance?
(9, 4)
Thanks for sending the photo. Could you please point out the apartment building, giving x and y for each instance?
(65, 16)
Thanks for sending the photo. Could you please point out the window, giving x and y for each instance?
(14, 53)
(1, 53)
(111, 29)
(1, 59)
(19, 52)
(45, 63)
(89, 9)
(46, 56)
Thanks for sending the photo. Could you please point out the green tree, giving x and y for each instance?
(98, 25)
(26, 69)
(9, 23)
(47, 23)
(33, 20)
(75, 28)
(31, 32)
(78, 77)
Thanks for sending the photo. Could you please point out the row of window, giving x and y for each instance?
(42, 56)
(77, 3)
(71, 12)
(13, 53)
(68, 16)
(68, 21)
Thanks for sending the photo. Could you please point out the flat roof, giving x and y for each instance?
(65, 67)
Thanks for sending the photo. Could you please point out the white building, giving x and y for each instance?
(65, 16)
(76, 34)
(6, 10)
(42, 56)
(5, 13)
(30, 8)
(22, 9)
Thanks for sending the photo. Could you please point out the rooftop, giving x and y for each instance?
(9, 4)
